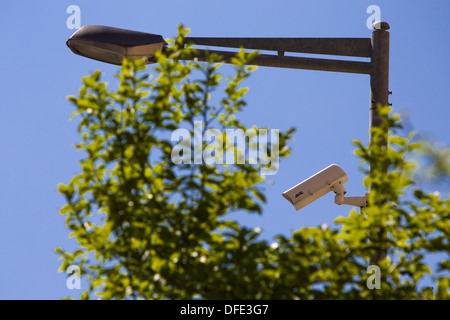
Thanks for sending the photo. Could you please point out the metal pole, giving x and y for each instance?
(351, 47)
(379, 91)
(279, 61)
(379, 78)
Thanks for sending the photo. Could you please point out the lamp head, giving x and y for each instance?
(111, 45)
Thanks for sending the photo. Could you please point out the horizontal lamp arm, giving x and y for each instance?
(266, 60)
(352, 47)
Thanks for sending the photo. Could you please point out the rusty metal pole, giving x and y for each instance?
(379, 78)
(379, 90)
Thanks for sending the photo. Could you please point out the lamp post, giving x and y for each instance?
(111, 45)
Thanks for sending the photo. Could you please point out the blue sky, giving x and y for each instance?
(328, 109)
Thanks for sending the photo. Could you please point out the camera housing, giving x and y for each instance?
(329, 179)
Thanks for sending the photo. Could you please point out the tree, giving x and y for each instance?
(149, 228)
(435, 159)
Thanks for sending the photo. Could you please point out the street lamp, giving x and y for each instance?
(111, 45)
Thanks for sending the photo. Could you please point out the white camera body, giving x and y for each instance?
(329, 179)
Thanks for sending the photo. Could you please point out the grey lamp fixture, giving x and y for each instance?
(111, 45)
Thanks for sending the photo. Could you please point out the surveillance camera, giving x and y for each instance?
(329, 179)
